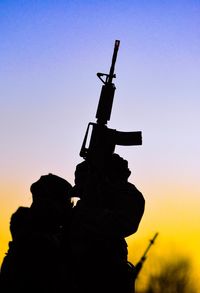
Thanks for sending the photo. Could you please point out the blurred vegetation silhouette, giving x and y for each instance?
(174, 276)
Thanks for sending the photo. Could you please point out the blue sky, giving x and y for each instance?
(50, 52)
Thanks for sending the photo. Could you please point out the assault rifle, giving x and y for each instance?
(139, 265)
(103, 139)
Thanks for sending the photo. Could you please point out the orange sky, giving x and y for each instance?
(50, 54)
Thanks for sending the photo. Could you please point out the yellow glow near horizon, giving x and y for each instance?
(49, 92)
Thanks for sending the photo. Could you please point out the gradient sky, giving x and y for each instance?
(50, 52)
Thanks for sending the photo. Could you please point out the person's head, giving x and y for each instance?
(51, 187)
(81, 176)
(81, 173)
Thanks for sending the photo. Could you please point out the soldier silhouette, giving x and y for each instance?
(109, 210)
(33, 262)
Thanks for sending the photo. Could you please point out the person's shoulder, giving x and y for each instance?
(20, 212)
(135, 191)
(19, 219)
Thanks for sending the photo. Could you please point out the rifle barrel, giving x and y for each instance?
(151, 243)
(114, 57)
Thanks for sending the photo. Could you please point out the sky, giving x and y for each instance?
(50, 52)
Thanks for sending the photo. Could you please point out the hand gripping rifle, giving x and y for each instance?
(103, 139)
(139, 265)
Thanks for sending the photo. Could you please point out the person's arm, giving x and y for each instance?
(121, 220)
